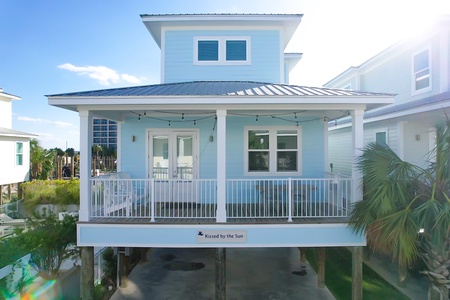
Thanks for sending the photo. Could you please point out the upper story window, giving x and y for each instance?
(273, 151)
(19, 154)
(421, 80)
(221, 50)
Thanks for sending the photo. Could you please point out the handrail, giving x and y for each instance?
(154, 199)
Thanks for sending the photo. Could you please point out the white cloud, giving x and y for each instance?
(104, 75)
(60, 124)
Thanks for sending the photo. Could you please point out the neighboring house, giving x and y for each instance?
(104, 133)
(224, 153)
(14, 145)
(417, 71)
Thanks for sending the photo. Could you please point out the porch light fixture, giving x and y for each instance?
(133, 138)
(139, 117)
(182, 116)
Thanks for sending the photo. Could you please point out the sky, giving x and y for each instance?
(58, 46)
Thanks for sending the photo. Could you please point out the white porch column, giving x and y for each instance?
(221, 165)
(358, 144)
(400, 139)
(85, 163)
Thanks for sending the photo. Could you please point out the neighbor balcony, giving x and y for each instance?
(115, 199)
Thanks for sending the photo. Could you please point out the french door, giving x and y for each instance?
(173, 157)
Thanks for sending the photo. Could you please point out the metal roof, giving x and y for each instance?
(220, 88)
(15, 133)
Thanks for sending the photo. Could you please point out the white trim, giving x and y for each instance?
(325, 144)
(413, 77)
(119, 147)
(282, 78)
(173, 133)
(221, 163)
(163, 55)
(401, 139)
(16, 153)
(432, 143)
(443, 62)
(222, 50)
(273, 150)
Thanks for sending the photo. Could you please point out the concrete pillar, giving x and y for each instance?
(321, 267)
(357, 275)
(221, 274)
(87, 273)
(122, 268)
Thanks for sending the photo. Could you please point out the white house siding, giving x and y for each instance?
(5, 114)
(339, 150)
(10, 173)
(179, 57)
(417, 143)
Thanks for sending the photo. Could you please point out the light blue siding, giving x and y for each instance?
(298, 235)
(134, 154)
(179, 57)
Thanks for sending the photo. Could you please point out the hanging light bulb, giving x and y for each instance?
(169, 123)
(139, 117)
(182, 116)
(195, 122)
(295, 115)
(145, 113)
(257, 118)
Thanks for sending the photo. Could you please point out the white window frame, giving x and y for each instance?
(273, 147)
(414, 91)
(347, 86)
(18, 154)
(222, 55)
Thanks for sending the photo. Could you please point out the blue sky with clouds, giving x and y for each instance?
(51, 46)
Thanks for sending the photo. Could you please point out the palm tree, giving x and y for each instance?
(41, 161)
(406, 209)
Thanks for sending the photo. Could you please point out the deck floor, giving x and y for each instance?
(131, 220)
(205, 214)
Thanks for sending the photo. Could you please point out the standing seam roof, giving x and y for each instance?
(218, 88)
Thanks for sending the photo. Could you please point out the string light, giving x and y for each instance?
(280, 116)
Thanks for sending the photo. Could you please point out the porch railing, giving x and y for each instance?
(197, 198)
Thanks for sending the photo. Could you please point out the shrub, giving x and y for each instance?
(60, 192)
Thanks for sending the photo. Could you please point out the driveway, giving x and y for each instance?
(252, 273)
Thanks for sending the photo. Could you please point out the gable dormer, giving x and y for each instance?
(198, 47)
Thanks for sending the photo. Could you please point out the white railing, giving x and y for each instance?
(245, 198)
(288, 198)
(153, 198)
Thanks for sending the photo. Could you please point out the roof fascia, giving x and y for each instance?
(154, 23)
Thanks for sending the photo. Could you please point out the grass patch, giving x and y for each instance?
(338, 276)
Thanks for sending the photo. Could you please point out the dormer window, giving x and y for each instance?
(222, 50)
